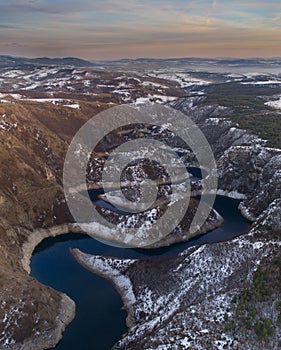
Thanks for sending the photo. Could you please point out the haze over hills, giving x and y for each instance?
(11, 61)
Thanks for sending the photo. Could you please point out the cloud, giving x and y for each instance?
(105, 27)
(8, 26)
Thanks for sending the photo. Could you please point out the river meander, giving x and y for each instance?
(100, 320)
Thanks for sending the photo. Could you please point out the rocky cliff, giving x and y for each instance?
(209, 297)
(217, 296)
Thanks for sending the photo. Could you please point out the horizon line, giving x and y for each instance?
(144, 58)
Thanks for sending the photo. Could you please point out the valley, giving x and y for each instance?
(205, 298)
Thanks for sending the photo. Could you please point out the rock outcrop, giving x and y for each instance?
(214, 296)
(247, 168)
(188, 301)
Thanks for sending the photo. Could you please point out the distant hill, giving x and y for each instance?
(10, 61)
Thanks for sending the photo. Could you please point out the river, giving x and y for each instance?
(100, 320)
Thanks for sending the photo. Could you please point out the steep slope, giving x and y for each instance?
(41, 108)
(34, 138)
(224, 295)
(195, 301)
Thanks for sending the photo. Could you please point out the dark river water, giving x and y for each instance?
(100, 320)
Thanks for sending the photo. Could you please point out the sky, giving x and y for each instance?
(113, 29)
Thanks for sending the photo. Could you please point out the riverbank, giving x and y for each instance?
(119, 283)
(37, 236)
(191, 297)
